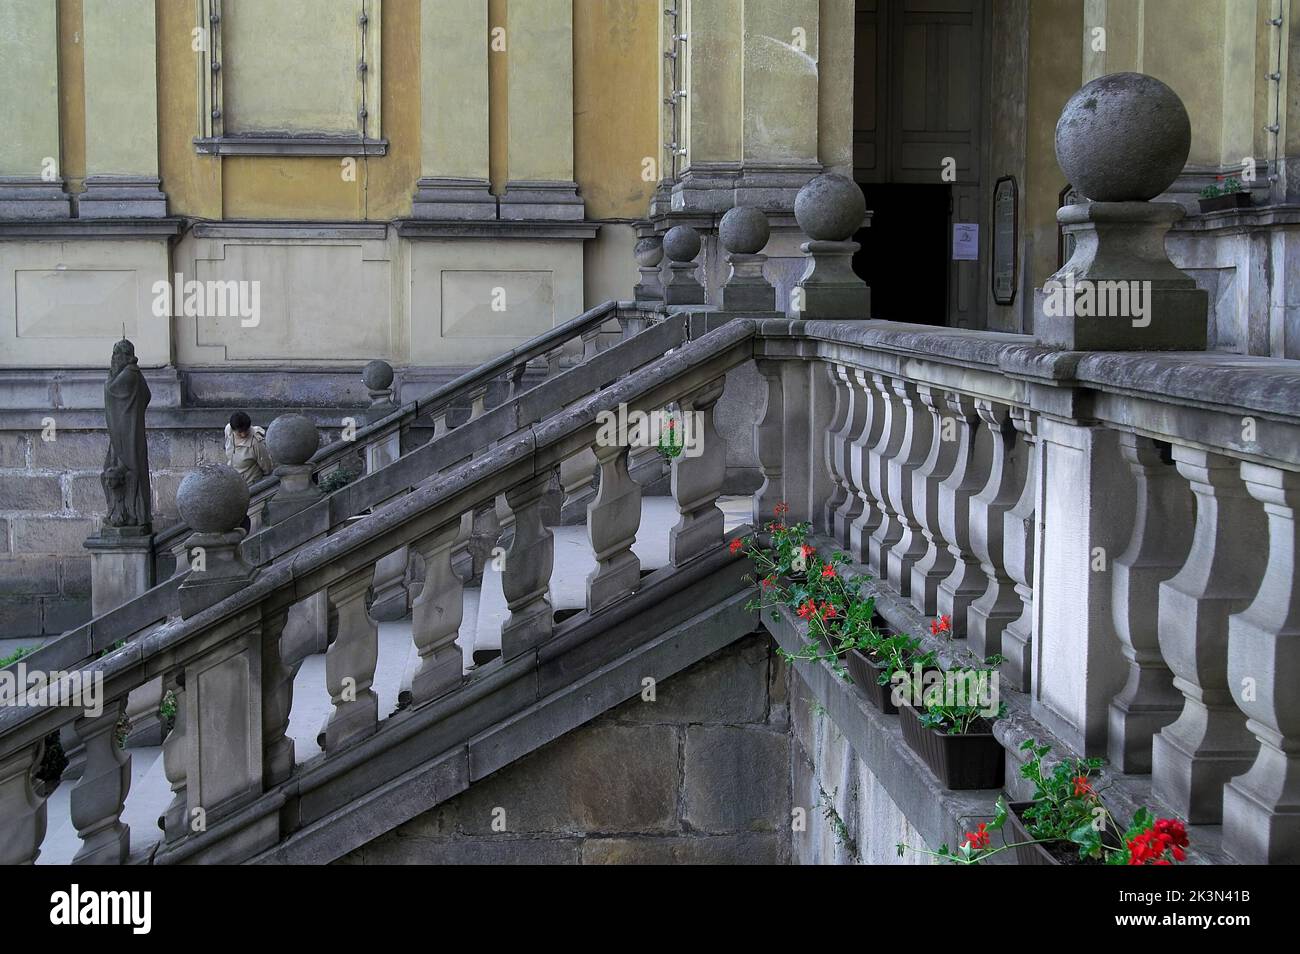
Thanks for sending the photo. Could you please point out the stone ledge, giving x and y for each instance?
(938, 814)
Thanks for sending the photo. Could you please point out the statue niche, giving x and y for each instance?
(125, 477)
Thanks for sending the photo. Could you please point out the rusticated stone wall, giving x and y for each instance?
(700, 775)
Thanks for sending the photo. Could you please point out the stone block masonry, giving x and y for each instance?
(700, 775)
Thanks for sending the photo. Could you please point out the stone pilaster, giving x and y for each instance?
(31, 175)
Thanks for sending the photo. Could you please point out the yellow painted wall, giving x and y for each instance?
(192, 182)
(615, 104)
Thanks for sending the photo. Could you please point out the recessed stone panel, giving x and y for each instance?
(493, 304)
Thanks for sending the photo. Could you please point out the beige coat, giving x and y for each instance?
(249, 456)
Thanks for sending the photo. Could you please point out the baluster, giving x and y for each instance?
(515, 380)
(613, 519)
(100, 793)
(861, 463)
(590, 343)
(914, 447)
(995, 608)
(697, 481)
(527, 576)
(437, 615)
(834, 441)
(22, 811)
(855, 418)
(176, 757)
(1194, 756)
(283, 650)
(936, 563)
(440, 426)
(350, 666)
(1018, 541)
(1162, 533)
(391, 597)
(769, 444)
(553, 362)
(964, 583)
(883, 473)
(1261, 809)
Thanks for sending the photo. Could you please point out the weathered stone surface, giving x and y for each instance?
(70, 450)
(730, 686)
(292, 438)
(599, 778)
(744, 230)
(212, 498)
(30, 492)
(74, 575)
(1123, 137)
(85, 496)
(18, 616)
(4, 536)
(29, 575)
(830, 208)
(681, 243)
(497, 850)
(377, 376)
(13, 450)
(50, 534)
(749, 848)
(724, 769)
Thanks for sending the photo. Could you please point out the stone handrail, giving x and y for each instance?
(263, 547)
(1121, 527)
(436, 404)
(232, 664)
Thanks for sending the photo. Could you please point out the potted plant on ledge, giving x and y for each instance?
(949, 723)
(1231, 195)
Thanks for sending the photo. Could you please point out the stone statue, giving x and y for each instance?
(125, 477)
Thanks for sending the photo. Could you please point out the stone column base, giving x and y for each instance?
(526, 201)
(829, 286)
(746, 289)
(122, 197)
(453, 199)
(31, 197)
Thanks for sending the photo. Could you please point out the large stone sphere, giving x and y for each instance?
(681, 243)
(830, 208)
(1124, 137)
(744, 230)
(292, 439)
(649, 251)
(377, 375)
(212, 498)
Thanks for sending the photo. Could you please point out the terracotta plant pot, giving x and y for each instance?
(973, 760)
(1232, 200)
(865, 672)
(1048, 852)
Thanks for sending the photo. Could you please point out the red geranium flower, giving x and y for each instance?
(736, 544)
(781, 508)
(807, 551)
(807, 610)
(980, 837)
(941, 625)
(1082, 786)
(1166, 837)
(828, 571)
(827, 611)
(768, 582)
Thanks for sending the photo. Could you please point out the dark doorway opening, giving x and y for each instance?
(904, 254)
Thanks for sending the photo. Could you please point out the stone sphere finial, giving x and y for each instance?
(1123, 137)
(681, 243)
(830, 208)
(292, 439)
(377, 375)
(744, 230)
(213, 498)
(649, 251)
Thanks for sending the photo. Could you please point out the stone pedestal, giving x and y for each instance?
(829, 288)
(1119, 291)
(746, 289)
(682, 288)
(296, 492)
(440, 198)
(121, 568)
(219, 570)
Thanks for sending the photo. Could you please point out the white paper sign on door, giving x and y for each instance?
(965, 241)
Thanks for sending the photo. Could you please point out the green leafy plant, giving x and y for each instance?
(16, 655)
(1230, 185)
(956, 706)
(335, 480)
(1067, 808)
(671, 441)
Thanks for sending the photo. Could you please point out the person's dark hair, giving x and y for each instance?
(240, 421)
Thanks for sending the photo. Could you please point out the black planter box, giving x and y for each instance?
(973, 760)
(1044, 853)
(865, 673)
(1233, 200)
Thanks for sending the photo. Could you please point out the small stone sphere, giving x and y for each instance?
(649, 251)
(377, 375)
(830, 208)
(744, 230)
(1124, 137)
(292, 439)
(212, 498)
(681, 243)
